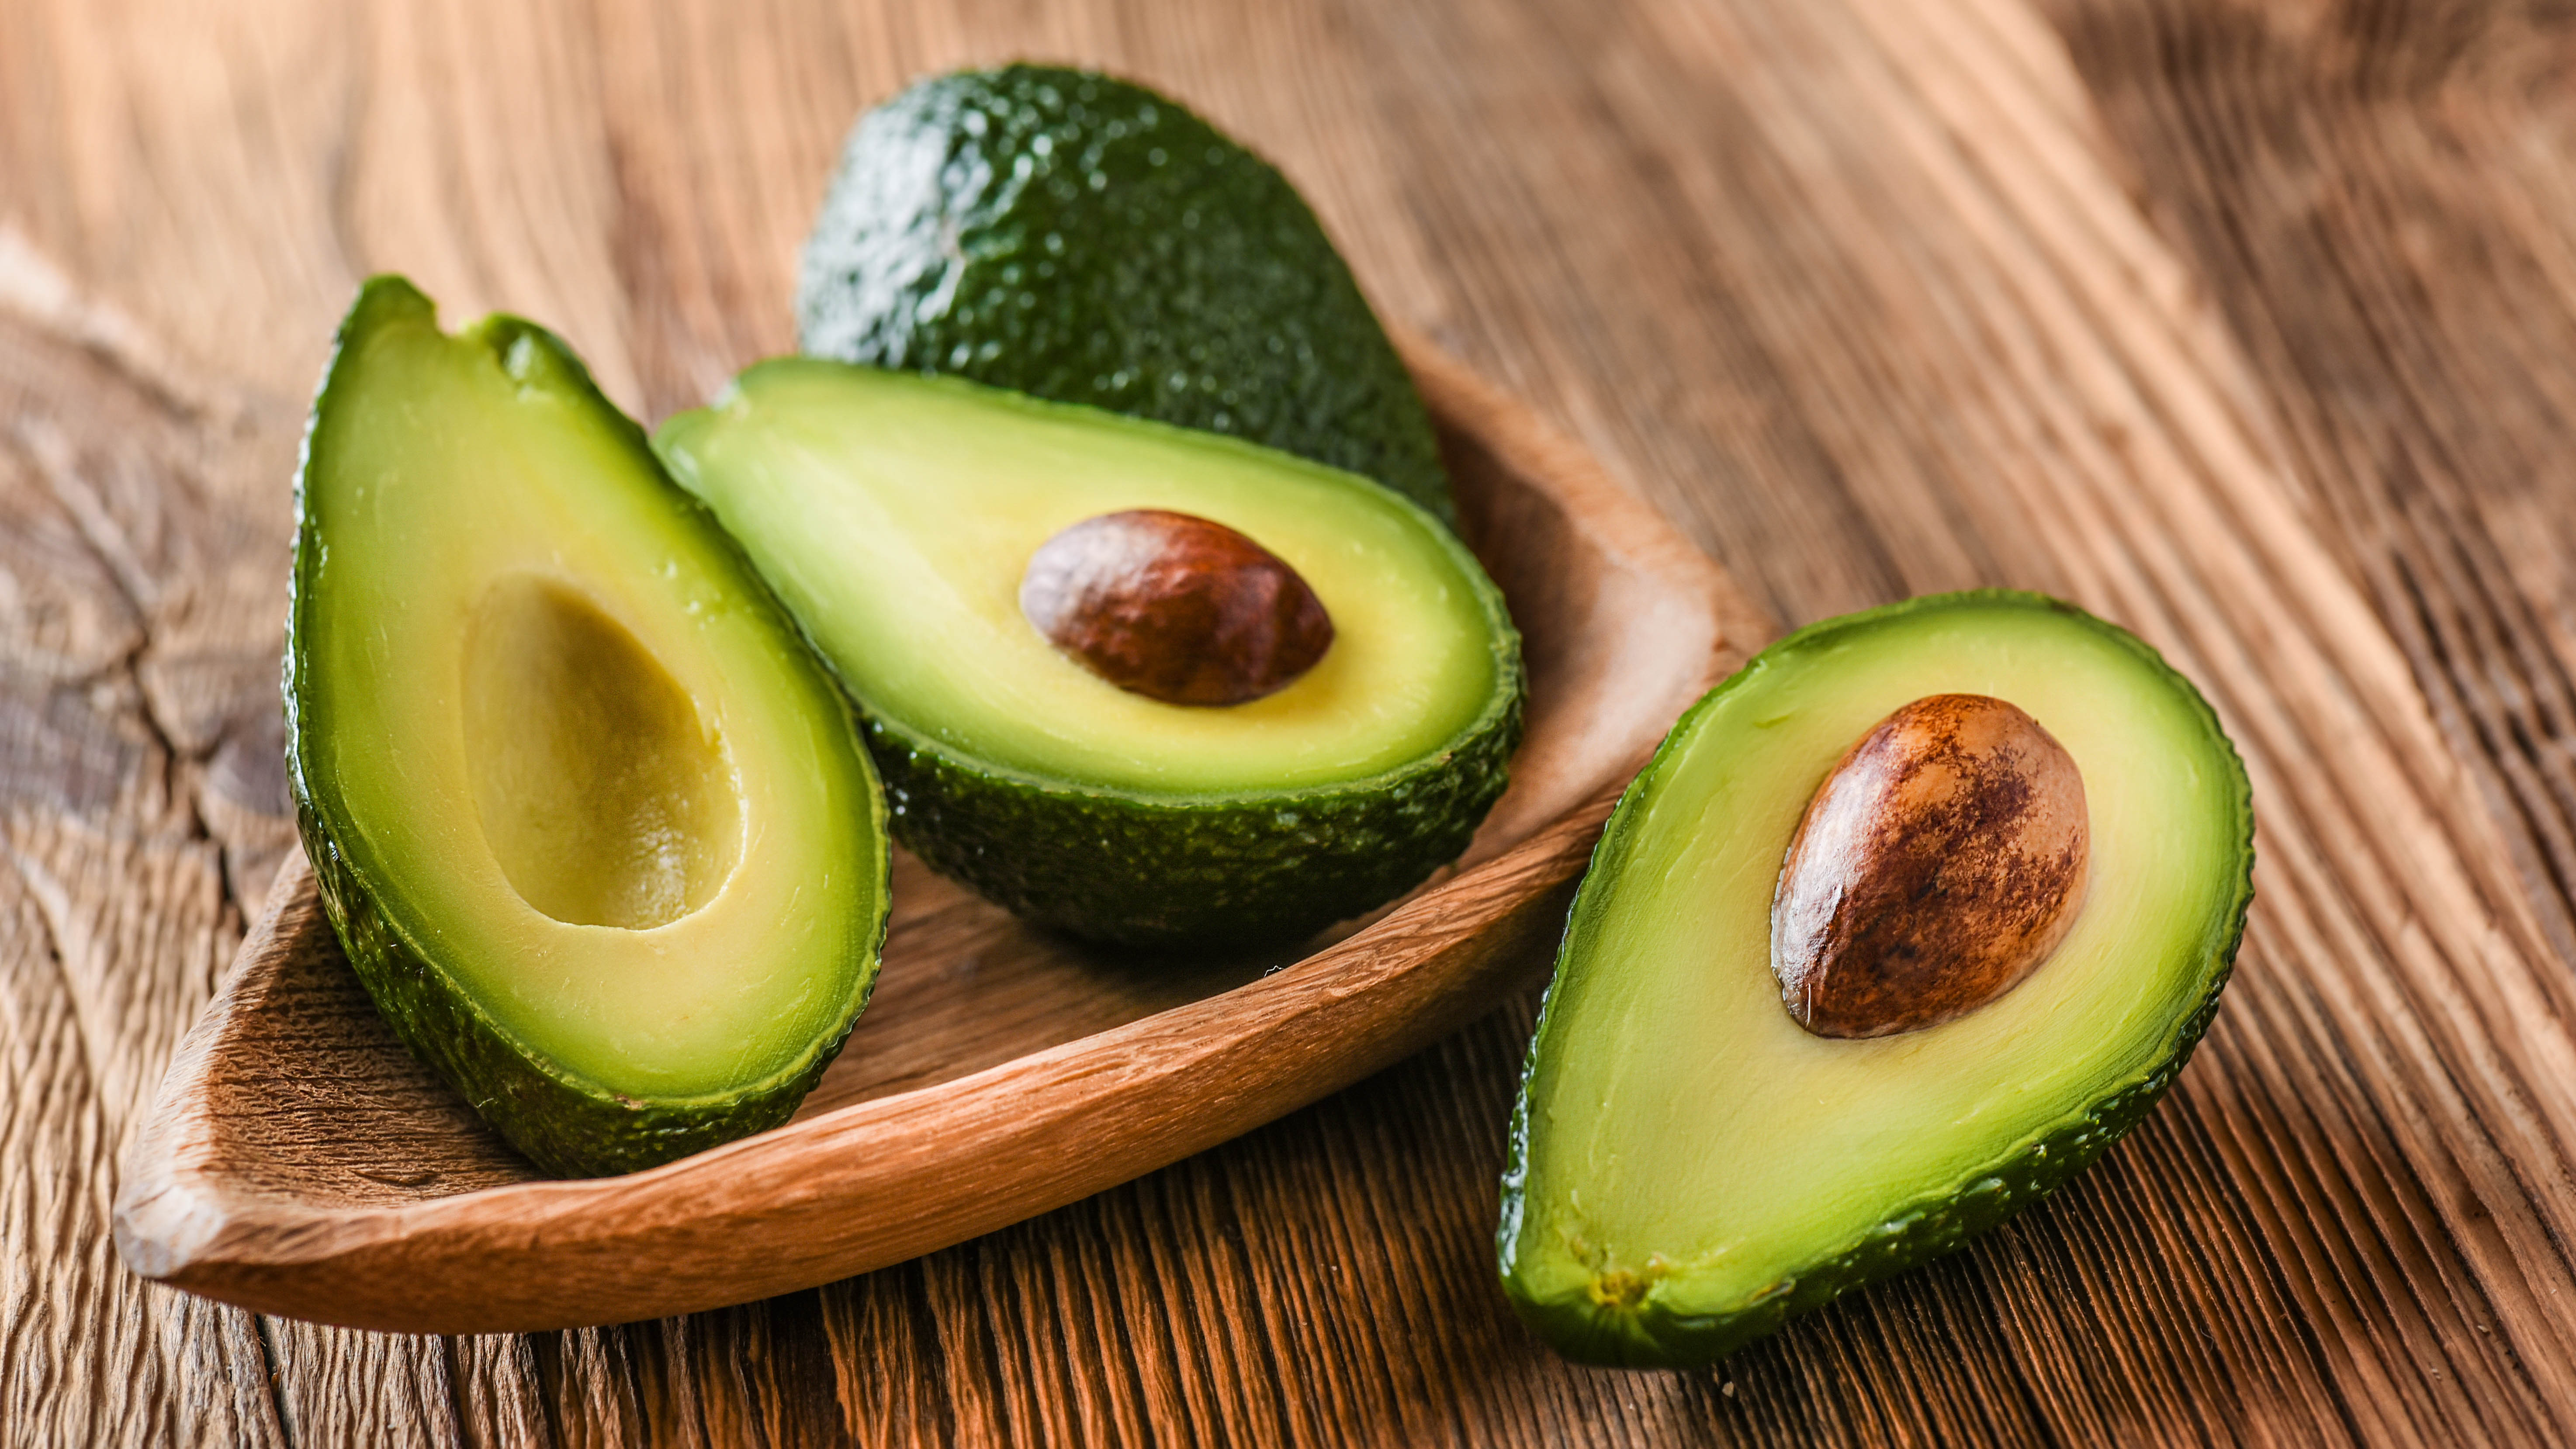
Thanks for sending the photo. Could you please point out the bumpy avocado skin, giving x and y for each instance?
(1134, 870)
(566, 1126)
(1086, 240)
(1642, 1334)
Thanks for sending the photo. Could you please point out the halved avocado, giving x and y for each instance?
(896, 516)
(596, 830)
(1689, 1166)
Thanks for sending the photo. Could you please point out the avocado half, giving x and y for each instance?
(1688, 1166)
(594, 828)
(895, 515)
(1081, 238)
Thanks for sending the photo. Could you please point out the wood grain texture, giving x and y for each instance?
(2246, 325)
(298, 1161)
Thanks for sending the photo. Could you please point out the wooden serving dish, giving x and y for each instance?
(298, 1161)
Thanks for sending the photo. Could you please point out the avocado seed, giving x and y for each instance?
(1175, 607)
(1937, 866)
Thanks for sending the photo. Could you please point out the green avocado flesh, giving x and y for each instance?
(1689, 1166)
(1083, 239)
(895, 515)
(596, 830)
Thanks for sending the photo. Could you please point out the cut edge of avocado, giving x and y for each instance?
(565, 1123)
(1613, 1323)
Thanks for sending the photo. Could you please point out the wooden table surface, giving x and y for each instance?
(2250, 326)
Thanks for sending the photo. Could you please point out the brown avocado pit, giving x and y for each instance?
(1938, 865)
(1175, 607)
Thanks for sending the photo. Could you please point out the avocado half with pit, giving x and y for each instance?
(1710, 1136)
(898, 517)
(595, 829)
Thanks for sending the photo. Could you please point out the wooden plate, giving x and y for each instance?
(298, 1161)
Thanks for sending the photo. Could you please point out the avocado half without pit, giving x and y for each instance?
(597, 832)
(1136, 683)
(1902, 926)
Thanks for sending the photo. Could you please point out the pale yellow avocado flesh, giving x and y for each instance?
(601, 790)
(1687, 1142)
(895, 515)
(574, 750)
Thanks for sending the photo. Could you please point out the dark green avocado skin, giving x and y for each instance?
(1645, 1336)
(1083, 239)
(1194, 872)
(566, 1126)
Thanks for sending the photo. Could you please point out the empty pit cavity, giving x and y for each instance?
(604, 800)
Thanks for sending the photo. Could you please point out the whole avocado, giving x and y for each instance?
(1086, 240)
